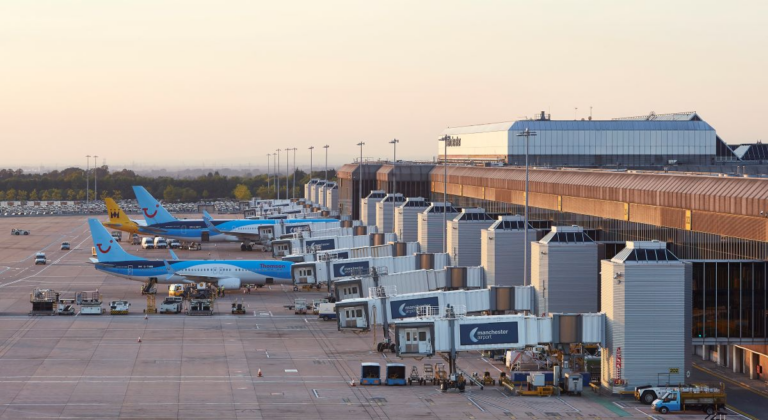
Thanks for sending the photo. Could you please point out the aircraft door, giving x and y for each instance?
(205, 236)
(130, 270)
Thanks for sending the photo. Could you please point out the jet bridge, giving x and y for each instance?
(362, 313)
(449, 329)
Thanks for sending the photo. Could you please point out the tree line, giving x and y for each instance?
(70, 184)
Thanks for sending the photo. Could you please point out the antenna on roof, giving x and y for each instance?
(590, 112)
(651, 116)
(575, 109)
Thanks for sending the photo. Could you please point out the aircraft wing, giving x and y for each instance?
(239, 235)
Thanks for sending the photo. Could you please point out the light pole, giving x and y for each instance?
(326, 161)
(87, 181)
(95, 178)
(277, 174)
(268, 155)
(311, 152)
(293, 188)
(445, 139)
(274, 168)
(394, 142)
(527, 134)
(287, 173)
(359, 181)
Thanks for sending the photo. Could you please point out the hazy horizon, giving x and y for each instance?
(202, 83)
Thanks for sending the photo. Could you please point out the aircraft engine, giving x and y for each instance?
(230, 283)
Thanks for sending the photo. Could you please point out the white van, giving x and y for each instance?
(40, 258)
(161, 243)
(147, 243)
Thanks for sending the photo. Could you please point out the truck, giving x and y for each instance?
(161, 243)
(707, 399)
(327, 311)
(18, 232)
(647, 394)
(117, 235)
(40, 258)
(147, 243)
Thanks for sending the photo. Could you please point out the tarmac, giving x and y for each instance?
(95, 366)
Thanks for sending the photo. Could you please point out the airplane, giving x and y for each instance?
(161, 223)
(118, 220)
(111, 258)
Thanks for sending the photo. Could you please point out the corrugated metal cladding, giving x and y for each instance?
(658, 216)
(502, 253)
(564, 274)
(332, 196)
(731, 195)
(385, 212)
(646, 305)
(407, 218)
(432, 228)
(464, 236)
(368, 206)
(308, 188)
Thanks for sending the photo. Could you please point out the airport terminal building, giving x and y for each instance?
(635, 142)
(718, 223)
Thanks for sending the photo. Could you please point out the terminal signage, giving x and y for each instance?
(321, 244)
(493, 333)
(408, 308)
(350, 268)
(296, 228)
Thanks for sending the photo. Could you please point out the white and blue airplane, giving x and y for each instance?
(161, 223)
(230, 274)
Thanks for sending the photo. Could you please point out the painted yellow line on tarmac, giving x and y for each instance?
(729, 380)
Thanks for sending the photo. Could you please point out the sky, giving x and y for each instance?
(224, 83)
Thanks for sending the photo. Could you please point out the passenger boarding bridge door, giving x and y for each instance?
(417, 341)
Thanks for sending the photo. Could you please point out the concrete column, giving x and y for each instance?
(736, 360)
(753, 361)
(722, 355)
(705, 352)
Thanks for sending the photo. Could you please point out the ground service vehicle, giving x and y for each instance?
(40, 258)
(65, 246)
(161, 243)
(176, 290)
(19, 232)
(171, 305)
(327, 311)
(147, 243)
(647, 394)
(709, 400)
(117, 235)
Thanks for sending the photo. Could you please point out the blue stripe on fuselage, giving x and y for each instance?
(154, 268)
(193, 229)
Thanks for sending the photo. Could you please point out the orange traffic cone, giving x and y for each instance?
(139, 339)
(259, 374)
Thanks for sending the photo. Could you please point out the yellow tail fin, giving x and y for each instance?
(118, 219)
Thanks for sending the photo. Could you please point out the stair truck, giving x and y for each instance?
(709, 400)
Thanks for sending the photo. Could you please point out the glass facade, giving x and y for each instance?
(729, 275)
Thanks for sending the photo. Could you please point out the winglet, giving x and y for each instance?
(209, 222)
(173, 255)
(168, 268)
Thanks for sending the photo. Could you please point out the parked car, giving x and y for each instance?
(65, 246)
